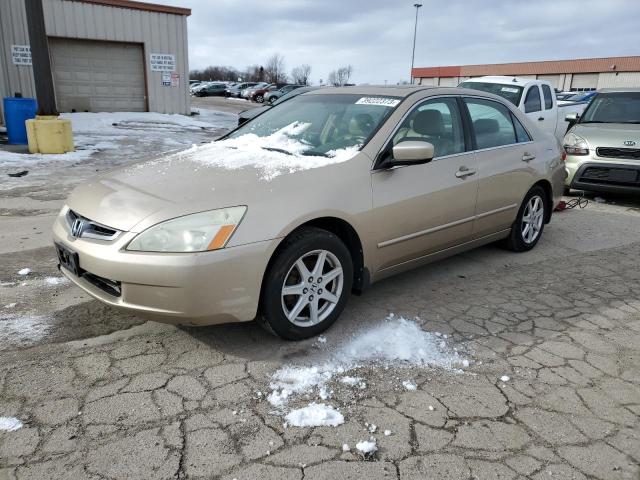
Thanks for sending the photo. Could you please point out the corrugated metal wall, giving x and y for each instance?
(158, 32)
(621, 79)
(13, 31)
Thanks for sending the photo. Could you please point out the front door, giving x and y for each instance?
(421, 209)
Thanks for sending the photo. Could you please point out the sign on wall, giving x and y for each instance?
(175, 79)
(166, 79)
(21, 54)
(163, 62)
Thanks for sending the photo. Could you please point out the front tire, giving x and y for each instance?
(527, 229)
(307, 285)
(259, 98)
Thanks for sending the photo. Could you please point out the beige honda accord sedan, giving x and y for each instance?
(318, 197)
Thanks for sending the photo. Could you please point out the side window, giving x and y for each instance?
(548, 99)
(436, 121)
(492, 123)
(521, 133)
(532, 101)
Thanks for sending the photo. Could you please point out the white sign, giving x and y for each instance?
(21, 54)
(166, 79)
(163, 62)
(380, 101)
(175, 79)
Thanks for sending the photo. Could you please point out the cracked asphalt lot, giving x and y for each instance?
(103, 395)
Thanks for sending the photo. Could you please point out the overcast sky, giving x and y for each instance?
(375, 36)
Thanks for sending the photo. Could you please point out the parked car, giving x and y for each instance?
(258, 94)
(273, 95)
(247, 115)
(352, 185)
(246, 93)
(603, 144)
(235, 90)
(580, 97)
(211, 90)
(533, 97)
(195, 88)
(560, 96)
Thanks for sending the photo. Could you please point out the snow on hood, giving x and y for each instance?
(274, 155)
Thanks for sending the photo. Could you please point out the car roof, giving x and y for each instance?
(619, 90)
(402, 91)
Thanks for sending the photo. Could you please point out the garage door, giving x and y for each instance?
(554, 80)
(97, 76)
(584, 81)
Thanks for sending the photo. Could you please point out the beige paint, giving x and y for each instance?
(404, 217)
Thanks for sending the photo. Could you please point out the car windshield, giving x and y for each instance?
(318, 125)
(508, 92)
(617, 107)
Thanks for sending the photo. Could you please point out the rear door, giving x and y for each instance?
(533, 106)
(420, 209)
(549, 111)
(503, 151)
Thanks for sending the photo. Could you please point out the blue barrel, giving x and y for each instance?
(16, 112)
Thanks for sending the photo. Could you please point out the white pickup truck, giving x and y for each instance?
(536, 98)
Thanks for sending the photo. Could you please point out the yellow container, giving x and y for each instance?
(49, 134)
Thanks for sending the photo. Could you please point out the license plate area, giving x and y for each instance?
(69, 260)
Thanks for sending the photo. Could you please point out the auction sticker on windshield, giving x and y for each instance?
(381, 101)
(509, 89)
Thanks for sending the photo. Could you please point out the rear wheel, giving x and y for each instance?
(259, 98)
(529, 225)
(307, 285)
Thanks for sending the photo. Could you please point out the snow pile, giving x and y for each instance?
(397, 342)
(10, 424)
(505, 378)
(315, 415)
(274, 154)
(24, 271)
(105, 122)
(54, 281)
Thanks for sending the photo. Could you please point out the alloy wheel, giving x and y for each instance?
(532, 219)
(312, 288)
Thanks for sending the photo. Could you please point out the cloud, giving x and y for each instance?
(375, 36)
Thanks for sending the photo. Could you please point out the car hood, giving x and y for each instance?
(608, 134)
(199, 179)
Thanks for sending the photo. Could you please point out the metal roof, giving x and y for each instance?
(149, 7)
(584, 65)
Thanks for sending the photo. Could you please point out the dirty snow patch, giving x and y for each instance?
(367, 447)
(315, 415)
(10, 424)
(10, 305)
(53, 281)
(24, 271)
(410, 385)
(505, 378)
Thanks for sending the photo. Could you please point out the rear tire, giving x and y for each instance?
(527, 229)
(307, 285)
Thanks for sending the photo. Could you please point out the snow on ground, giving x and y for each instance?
(315, 415)
(367, 447)
(94, 132)
(274, 154)
(10, 424)
(396, 342)
(24, 271)
(409, 385)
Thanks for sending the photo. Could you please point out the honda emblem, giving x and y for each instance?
(77, 228)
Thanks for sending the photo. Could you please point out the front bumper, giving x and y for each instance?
(200, 288)
(603, 176)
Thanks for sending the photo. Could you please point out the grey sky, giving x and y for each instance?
(375, 36)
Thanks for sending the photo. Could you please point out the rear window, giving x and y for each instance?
(513, 93)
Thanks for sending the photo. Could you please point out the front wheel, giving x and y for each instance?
(529, 225)
(307, 285)
(259, 98)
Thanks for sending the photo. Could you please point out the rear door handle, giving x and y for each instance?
(527, 157)
(464, 172)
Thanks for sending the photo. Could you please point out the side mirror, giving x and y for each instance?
(572, 117)
(413, 152)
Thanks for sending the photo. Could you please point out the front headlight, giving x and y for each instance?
(575, 144)
(198, 232)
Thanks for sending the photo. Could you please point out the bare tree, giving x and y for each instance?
(340, 77)
(300, 75)
(274, 69)
(344, 74)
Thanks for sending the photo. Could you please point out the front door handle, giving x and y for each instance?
(540, 119)
(464, 172)
(527, 157)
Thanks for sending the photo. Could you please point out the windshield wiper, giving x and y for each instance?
(280, 150)
(313, 153)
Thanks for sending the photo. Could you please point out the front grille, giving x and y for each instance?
(611, 152)
(611, 176)
(89, 228)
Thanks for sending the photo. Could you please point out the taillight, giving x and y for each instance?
(564, 155)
